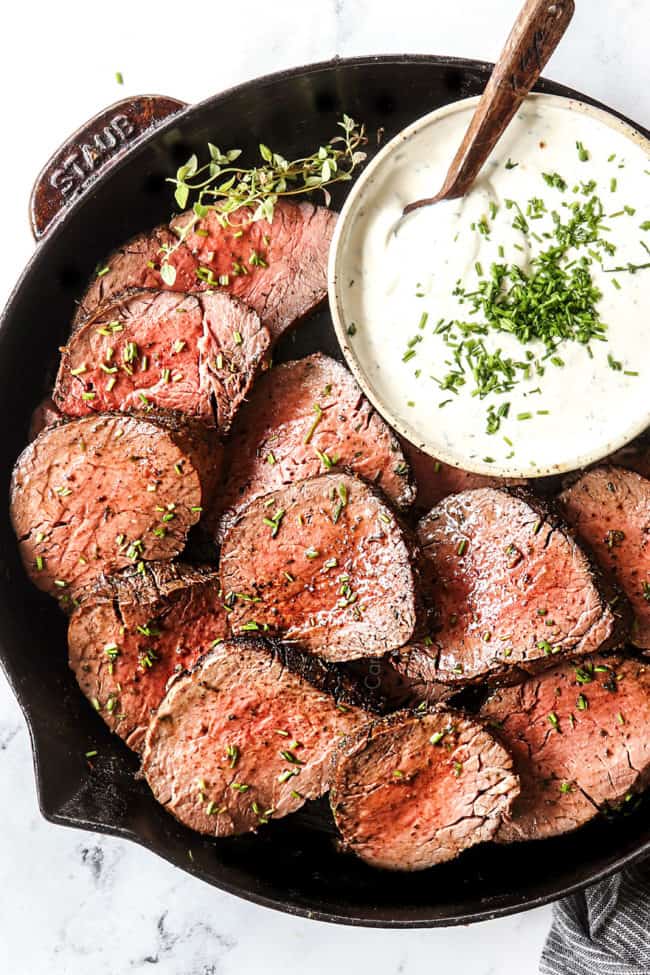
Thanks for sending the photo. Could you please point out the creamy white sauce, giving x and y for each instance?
(391, 272)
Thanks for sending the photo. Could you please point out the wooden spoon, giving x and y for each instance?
(535, 35)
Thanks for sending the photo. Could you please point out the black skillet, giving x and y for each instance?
(106, 184)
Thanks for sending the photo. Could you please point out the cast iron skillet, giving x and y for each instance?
(106, 184)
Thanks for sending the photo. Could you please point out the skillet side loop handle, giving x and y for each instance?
(93, 148)
(536, 33)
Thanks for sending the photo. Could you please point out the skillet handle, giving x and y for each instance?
(538, 30)
(92, 149)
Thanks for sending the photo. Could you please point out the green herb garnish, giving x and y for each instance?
(555, 180)
(224, 188)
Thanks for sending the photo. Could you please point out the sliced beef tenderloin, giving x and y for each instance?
(278, 269)
(45, 415)
(580, 738)
(380, 676)
(130, 266)
(634, 457)
(202, 444)
(511, 588)
(134, 631)
(248, 736)
(435, 480)
(415, 682)
(322, 563)
(412, 790)
(196, 354)
(100, 493)
(609, 509)
(303, 418)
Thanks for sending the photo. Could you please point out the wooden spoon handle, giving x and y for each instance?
(535, 35)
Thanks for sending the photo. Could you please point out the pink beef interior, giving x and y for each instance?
(610, 510)
(100, 493)
(303, 418)
(135, 632)
(242, 740)
(509, 588)
(175, 352)
(279, 269)
(580, 738)
(415, 791)
(324, 564)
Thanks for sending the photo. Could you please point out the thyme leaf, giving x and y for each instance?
(222, 185)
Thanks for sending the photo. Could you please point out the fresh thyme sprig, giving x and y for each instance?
(225, 188)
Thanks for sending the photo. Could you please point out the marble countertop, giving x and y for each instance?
(74, 902)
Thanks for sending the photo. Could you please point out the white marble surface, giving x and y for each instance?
(71, 902)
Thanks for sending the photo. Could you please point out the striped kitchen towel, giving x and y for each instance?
(604, 930)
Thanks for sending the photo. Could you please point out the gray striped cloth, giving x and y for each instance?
(605, 930)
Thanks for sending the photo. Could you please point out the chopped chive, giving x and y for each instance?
(319, 416)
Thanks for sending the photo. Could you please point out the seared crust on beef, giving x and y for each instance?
(609, 509)
(44, 415)
(380, 676)
(134, 631)
(323, 563)
(129, 267)
(246, 737)
(580, 739)
(300, 417)
(418, 684)
(198, 354)
(100, 493)
(278, 269)
(511, 589)
(634, 457)
(201, 443)
(413, 790)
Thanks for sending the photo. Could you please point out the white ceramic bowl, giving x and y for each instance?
(626, 427)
